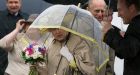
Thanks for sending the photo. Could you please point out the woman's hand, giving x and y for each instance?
(20, 25)
(106, 26)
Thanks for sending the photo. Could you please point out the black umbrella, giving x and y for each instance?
(66, 2)
(112, 4)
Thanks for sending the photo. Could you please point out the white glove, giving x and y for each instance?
(65, 52)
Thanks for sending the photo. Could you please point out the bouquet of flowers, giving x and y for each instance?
(34, 54)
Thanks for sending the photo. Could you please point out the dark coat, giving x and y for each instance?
(7, 24)
(127, 47)
(3, 54)
(10, 20)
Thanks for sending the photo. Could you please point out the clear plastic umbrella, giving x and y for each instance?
(77, 21)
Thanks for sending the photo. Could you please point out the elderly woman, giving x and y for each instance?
(68, 51)
(16, 42)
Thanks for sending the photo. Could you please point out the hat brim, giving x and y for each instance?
(27, 22)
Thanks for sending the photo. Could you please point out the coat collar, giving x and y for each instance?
(7, 13)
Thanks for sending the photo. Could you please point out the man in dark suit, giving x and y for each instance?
(8, 19)
(127, 46)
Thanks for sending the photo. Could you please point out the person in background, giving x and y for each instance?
(3, 59)
(8, 19)
(12, 14)
(16, 41)
(98, 9)
(127, 46)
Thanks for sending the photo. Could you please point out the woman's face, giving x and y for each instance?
(58, 34)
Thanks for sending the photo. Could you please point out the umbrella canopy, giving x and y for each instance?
(84, 3)
(76, 21)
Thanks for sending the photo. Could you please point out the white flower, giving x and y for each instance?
(38, 53)
(36, 47)
(24, 49)
(35, 56)
(41, 56)
(27, 56)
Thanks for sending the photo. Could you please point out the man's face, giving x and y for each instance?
(124, 11)
(13, 6)
(97, 9)
(59, 34)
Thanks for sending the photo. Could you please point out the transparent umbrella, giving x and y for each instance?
(77, 21)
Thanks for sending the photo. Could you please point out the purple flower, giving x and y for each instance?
(42, 50)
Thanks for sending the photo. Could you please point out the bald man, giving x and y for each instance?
(97, 8)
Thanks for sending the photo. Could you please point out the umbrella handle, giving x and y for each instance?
(79, 5)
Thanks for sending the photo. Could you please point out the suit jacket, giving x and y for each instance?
(3, 54)
(10, 20)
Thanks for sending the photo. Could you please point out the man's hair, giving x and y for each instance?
(135, 2)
